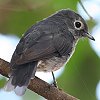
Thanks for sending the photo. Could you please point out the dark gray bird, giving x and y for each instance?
(46, 46)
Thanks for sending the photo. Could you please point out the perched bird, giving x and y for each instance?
(46, 46)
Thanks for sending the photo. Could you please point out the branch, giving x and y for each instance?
(39, 86)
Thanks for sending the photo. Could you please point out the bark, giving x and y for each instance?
(39, 86)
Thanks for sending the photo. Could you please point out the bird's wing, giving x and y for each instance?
(34, 45)
(38, 45)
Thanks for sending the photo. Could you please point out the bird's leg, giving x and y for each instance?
(54, 80)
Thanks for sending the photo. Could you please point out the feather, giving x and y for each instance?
(20, 90)
(9, 87)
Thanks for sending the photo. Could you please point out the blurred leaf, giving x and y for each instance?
(17, 16)
(82, 73)
(91, 24)
(2, 82)
(62, 4)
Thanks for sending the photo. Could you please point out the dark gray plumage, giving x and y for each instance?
(46, 46)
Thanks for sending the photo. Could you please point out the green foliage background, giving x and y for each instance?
(82, 73)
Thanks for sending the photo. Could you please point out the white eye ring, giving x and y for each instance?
(78, 25)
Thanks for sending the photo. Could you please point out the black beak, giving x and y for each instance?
(89, 36)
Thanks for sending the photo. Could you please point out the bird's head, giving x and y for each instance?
(76, 24)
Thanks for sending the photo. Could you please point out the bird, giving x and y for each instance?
(46, 46)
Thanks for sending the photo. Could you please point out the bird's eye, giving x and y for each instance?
(78, 25)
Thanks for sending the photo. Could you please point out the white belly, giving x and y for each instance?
(51, 64)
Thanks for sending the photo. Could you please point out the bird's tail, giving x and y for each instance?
(20, 78)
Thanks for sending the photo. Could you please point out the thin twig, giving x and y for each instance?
(85, 10)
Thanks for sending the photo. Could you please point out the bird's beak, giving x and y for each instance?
(89, 36)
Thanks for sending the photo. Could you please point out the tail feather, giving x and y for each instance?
(20, 78)
(20, 90)
(9, 87)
